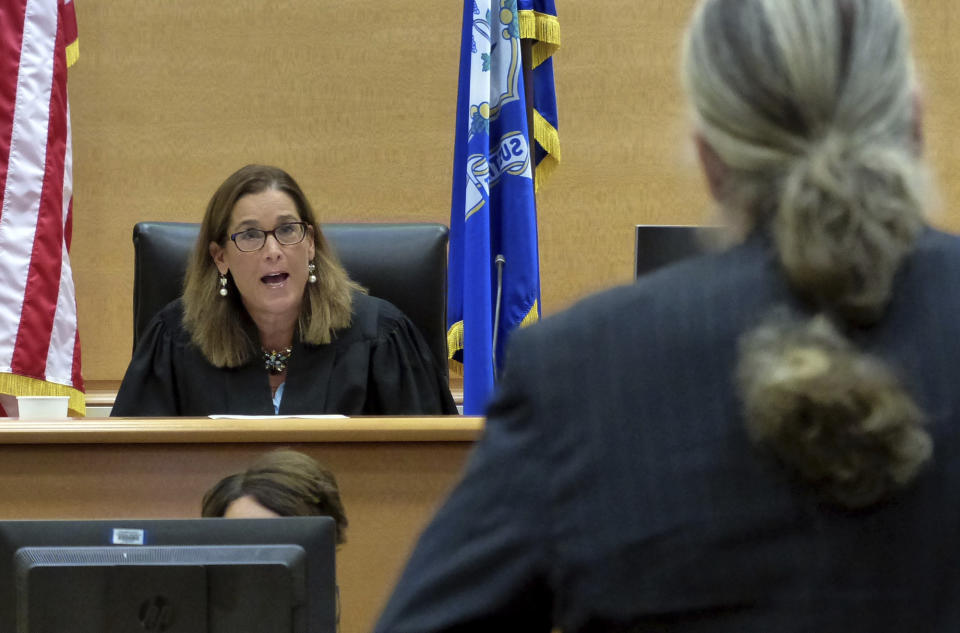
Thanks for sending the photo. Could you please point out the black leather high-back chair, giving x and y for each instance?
(658, 245)
(406, 264)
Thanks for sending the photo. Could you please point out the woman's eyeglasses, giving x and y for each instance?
(287, 234)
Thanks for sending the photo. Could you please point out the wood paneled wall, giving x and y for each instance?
(356, 99)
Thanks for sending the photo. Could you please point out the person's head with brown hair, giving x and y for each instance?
(279, 483)
(808, 130)
(261, 255)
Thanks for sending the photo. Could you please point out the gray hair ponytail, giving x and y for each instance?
(809, 105)
(837, 417)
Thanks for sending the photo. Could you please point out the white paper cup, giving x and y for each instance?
(42, 407)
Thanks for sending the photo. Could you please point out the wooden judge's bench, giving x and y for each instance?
(393, 473)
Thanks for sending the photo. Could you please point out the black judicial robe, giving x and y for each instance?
(379, 365)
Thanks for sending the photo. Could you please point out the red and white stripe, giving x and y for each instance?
(38, 315)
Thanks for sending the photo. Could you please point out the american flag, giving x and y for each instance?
(39, 345)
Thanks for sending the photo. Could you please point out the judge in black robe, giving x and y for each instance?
(270, 322)
(379, 365)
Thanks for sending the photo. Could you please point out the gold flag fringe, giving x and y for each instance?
(454, 339)
(73, 52)
(549, 139)
(545, 29)
(532, 316)
(14, 385)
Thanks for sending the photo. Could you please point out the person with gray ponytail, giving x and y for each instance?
(764, 438)
(811, 136)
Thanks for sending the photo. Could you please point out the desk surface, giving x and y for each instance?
(102, 393)
(392, 474)
(242, 430)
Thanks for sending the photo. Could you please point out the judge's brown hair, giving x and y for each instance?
(286, 482)
(219, 326)
(810, 108)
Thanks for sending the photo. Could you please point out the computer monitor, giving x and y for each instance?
(657, 245)
(168, 576)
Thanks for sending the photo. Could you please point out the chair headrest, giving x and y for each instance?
(659, 245)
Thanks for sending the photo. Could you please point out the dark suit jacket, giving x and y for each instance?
(615, 488)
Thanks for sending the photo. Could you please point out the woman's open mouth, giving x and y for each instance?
(275, 279)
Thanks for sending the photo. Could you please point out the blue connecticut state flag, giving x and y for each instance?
(494, 276)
